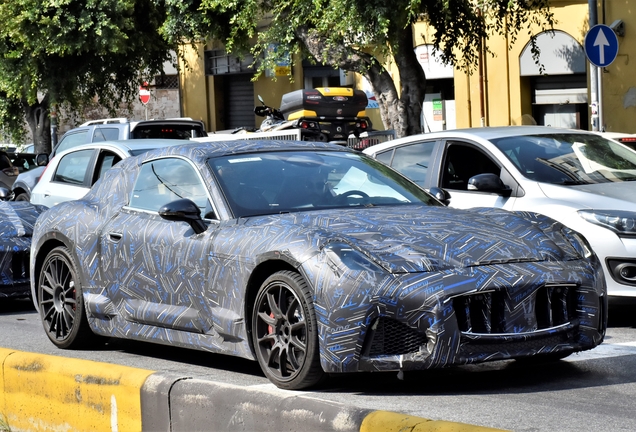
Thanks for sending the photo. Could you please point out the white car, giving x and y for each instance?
(71, 173)
(579, 178)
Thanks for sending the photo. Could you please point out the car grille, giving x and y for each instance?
(391, 337)
(486, 312)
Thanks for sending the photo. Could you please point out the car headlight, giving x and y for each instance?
(621, 222)
(343, 256)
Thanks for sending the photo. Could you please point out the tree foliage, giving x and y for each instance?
(359, 36)
(71, 51)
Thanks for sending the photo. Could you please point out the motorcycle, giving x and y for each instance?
(328, 114)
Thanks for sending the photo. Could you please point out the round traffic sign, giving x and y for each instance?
(601, 45)
(144, 94)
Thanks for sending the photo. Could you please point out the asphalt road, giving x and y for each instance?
(591, 391)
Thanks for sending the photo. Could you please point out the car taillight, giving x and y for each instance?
(11, 171)
(308, 125)
(628, 140)
(362, 124)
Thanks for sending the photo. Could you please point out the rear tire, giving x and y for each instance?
(284, 332)
(23, 197)
(61, 303)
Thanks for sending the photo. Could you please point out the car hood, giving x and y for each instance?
(17, 218)
(614, 195)
(423, 238)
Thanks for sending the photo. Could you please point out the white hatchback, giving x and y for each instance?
(579, 178)
(70, 174)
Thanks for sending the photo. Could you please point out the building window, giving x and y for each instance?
(219, 62)
(167, 82)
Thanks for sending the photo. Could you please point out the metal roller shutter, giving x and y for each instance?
(239, 101)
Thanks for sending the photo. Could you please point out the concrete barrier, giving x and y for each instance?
(50, 393)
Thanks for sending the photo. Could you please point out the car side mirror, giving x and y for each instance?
(5, 194)
(184, 210)
(442, 195)
(488, 182)
(42, 159)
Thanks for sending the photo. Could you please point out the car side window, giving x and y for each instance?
(413, 160)
(385, 157)
(105, 162)
(161, 181)
(72, 167)
(105, 134)
(72, 140)
(463, 161)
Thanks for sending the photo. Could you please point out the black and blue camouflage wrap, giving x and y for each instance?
(16, 226)
(395, 288)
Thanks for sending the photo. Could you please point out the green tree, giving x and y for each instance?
(71, 51)
(360, 36)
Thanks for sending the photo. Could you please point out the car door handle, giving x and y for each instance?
(114, 236)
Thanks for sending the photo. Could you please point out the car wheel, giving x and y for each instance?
(60, 301)
(284, 332)
(22, 197)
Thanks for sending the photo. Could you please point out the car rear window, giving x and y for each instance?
(177, 131)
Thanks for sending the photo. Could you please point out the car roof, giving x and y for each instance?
(486, 133)
(202, 151)
(129, 145)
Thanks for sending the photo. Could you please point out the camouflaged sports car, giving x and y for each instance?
(16, 225)
(310, 258)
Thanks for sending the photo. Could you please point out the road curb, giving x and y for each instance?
(44, 392)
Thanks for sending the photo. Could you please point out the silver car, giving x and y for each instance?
(579, 178)
(71, 173)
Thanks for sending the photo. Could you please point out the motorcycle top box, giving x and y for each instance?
(324, 102)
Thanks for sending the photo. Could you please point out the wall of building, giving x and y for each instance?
(501, 97)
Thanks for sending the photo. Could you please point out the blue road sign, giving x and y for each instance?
(601, 45)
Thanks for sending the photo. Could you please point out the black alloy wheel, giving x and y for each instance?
(60, 301)
(284, 332)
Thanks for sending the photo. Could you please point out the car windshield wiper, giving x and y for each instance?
(574, 179)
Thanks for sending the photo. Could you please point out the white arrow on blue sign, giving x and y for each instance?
(601, 45)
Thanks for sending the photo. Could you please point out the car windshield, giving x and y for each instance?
(288, 181)
(569, 159)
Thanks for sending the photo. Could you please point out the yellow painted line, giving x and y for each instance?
(387, 421)
(43, 392)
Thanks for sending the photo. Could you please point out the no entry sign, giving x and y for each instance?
(144, 93)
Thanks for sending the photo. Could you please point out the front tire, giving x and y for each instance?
(60, 301)
(284, 332)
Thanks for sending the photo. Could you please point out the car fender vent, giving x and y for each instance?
(388, 336)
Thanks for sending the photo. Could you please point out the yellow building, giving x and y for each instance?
(504, 90)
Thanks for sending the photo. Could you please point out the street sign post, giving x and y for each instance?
(601, 49)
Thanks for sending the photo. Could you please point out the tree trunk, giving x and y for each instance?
(412, 83)
(37, 117)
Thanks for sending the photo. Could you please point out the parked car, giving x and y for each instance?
(579, 178)
(624, 138)
(310, 258)
(16, 227)
(108, 130)
(12, 164)
(71, 173)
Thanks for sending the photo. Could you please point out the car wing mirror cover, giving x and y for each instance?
(184, 210)
(487, 182)
(441, 195)
(42, 159)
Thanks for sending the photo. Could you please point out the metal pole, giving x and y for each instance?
(601, 122)
(594, 73)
